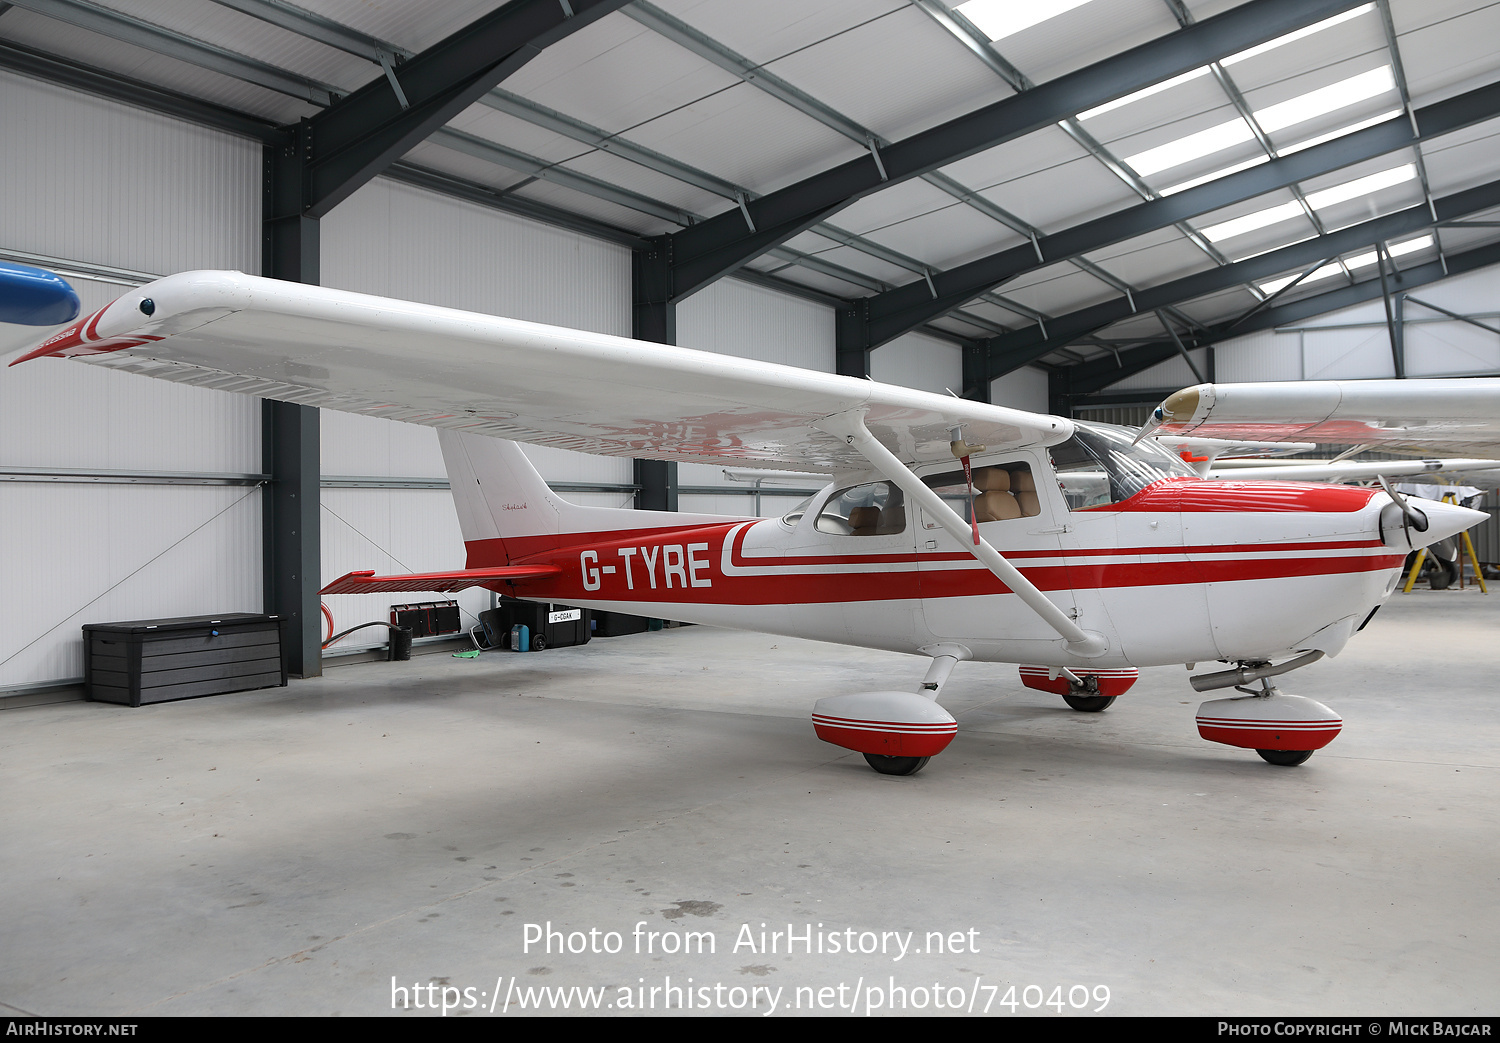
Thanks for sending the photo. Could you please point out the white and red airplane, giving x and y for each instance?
(951, 529)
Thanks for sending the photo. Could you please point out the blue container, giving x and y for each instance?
(520, 638)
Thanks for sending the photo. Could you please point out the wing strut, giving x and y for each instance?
(850, 426)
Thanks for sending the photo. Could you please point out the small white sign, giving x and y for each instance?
(567, 615)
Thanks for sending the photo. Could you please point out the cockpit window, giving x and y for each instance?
(1001, 492)
(875, 509)
(1099, 466)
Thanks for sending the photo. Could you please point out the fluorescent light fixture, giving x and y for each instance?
(1144, 92)
(1254, 161)
(998, 19)
(1193, 146)
(1326, 99)
(1350, 129)
(1298, 34)
(1361, 186)
(1250, 222)
(1358, 261)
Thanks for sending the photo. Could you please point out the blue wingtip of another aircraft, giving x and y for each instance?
(35, 297)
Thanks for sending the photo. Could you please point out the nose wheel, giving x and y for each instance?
(1284, 758)
(896, 765)
(1087, 703)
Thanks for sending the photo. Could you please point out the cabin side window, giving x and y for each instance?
(873, 509)
(1001, 492)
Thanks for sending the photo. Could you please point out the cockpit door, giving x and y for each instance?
(1021, 514)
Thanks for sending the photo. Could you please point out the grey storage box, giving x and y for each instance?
(155, 660)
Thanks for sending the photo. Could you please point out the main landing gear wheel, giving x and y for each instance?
(1089, 703)
(896, 765)
(1284, 758)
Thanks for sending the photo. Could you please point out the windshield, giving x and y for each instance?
(1098, 466)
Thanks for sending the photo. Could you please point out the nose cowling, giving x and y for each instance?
(1400, 532)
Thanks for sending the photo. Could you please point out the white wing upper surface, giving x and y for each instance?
(1423, 416)
(525, 381)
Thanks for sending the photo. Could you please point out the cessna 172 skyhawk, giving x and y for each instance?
(951, 529)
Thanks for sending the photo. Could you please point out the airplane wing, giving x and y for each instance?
(519, 380)
(1421, 416)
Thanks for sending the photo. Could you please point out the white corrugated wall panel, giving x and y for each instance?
(1173, 373)
(93, 180)
(97, 182)
(1350, 354)
(1451, 349)
(731, 317)
(1263, 355)
(916, 360)
(1025, 388)
(106, 553)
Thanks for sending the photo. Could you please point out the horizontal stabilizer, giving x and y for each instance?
(368, 583)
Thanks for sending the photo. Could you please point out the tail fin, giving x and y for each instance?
(499, 495)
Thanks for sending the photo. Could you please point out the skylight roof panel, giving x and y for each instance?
(998, 19)
(1332, 98)
(1192, 146)
(1362, 186)
(1186, 99)
(1339, 132)
(1264, 218)
(1145, 92)
(1354, 262)
(1297, 34)
(1214, 175)
(1085, 35)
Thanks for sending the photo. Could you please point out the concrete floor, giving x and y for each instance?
(294, 851)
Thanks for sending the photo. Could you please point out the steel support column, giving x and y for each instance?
(654, 318)
(290, 452)
(290, 532)
(851, 349)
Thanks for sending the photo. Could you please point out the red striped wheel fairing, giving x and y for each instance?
(887, 738)
(1111, 682)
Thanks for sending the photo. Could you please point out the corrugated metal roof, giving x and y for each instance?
(729, 95)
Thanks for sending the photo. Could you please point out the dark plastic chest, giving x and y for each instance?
(156, 660)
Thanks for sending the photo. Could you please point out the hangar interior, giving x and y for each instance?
(952, 197)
